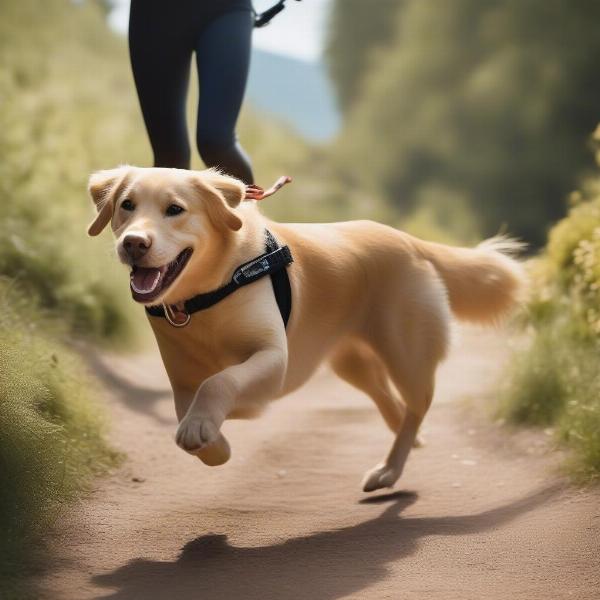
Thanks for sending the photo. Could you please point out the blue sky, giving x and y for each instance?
(297, 32)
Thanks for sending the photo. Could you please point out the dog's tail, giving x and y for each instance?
(484, 283)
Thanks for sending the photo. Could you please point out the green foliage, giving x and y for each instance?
(51, 440)
(68, 108)
(491, 101)
(555, 380)
(579, 425)
(357, 29)
(539, 384)
(567, 275)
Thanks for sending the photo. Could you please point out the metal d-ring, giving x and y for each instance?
(169, 315)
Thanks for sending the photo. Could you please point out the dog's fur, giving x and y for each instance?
(373, 301)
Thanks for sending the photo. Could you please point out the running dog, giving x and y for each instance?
(374, 302)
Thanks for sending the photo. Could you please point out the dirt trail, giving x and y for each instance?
(478, 513)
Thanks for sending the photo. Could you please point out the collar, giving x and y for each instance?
(273, 262)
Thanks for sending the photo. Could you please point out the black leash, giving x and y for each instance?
(263, 18)
(273, 262)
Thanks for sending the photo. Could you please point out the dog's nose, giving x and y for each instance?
(136, 245)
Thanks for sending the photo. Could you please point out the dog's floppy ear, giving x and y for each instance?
(104, 187)
(221, 194)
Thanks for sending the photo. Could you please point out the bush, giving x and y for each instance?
(555, 380)
(68, 108)
(51, 441)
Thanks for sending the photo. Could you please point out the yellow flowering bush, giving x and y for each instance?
(556, 379)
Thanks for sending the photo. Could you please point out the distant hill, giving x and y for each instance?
(296, 91)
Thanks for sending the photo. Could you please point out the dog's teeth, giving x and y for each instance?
(162, 272)
(147, 291)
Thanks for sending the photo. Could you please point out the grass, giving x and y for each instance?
(67, 109)
(555, 383)
(537, 391)
(52, 440)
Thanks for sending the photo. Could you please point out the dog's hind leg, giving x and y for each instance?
(387, 473)
(411, 346)
(355, 362)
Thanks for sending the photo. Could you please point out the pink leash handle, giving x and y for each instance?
(255, 192)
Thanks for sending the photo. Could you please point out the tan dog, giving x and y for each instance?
(371, 300)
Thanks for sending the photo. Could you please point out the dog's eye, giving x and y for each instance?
(127, 205)
(173, 210)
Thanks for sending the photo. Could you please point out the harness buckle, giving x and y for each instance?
(175, 318)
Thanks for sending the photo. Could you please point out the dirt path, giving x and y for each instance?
(478, 513)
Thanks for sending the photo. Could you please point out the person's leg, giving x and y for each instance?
(223, 58)
(160, 60)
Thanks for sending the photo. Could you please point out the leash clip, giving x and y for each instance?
(173, 317)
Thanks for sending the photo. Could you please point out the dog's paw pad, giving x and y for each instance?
(381, 476)
(215, 454)
(196, 433)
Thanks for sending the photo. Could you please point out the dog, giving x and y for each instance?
(374, 302)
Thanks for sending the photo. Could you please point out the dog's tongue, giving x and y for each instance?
(145, 280)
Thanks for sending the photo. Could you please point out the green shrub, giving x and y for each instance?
(51, 440)
(579, 425)
(537, 392)
(68, 108)
(555, 380)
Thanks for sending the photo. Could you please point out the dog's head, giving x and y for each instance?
(163, 221)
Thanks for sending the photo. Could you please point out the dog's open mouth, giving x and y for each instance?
(148, 283)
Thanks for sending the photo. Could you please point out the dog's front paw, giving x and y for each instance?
(199, 436)
(195, 433)
(381, 476)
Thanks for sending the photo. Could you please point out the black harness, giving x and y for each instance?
(273, 262)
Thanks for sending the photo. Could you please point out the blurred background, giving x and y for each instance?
(451, 119)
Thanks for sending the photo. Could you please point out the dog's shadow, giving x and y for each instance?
(325, 565)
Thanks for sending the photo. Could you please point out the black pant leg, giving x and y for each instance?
(223, 59)
(160, 50)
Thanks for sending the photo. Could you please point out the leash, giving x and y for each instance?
(264, 18)
(255, 192)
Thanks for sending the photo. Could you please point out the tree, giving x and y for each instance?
(356, 28)
(488, 102)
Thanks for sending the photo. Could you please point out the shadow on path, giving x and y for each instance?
(136, 397)
(325, 565)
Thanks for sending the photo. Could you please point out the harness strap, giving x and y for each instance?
(273, 262)
(280, 280)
